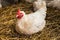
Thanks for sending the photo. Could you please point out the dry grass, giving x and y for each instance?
(8, 20)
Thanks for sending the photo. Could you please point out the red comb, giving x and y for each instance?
(18, 12)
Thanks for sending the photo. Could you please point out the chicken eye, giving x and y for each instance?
(20, 13)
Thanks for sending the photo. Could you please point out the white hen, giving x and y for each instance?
(31, 23)
(0, 4)
(54, 3)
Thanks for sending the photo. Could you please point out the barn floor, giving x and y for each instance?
(8, 20)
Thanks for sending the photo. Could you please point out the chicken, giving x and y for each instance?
(0, 4)
(50, 3)
(31, 23)
(53, 3)
(38, 4)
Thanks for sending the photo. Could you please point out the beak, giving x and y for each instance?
(17, 16)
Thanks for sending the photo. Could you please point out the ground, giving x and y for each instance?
(8, 23)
